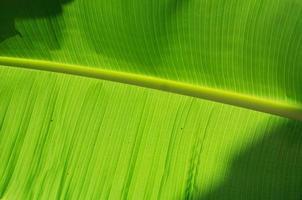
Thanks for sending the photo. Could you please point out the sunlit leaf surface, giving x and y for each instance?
(71, 137)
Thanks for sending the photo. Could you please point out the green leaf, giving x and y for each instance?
(74, 124)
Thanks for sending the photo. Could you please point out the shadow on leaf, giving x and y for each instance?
(269, 170)
(10, 10)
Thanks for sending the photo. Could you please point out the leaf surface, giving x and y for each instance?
(72, 137)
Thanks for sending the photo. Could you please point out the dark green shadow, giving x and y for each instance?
(270, 170)
(10, 10)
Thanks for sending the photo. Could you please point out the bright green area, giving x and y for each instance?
(74, 138)
(69, 137)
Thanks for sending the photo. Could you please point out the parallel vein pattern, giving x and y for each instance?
(70, 137)
(251, 47)
(67, 137)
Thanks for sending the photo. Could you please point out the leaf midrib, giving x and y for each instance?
(212, 94)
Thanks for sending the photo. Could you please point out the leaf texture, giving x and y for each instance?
(71, 137)
(65, 137)
(251, 47)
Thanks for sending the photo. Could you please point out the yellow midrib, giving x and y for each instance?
(227, 97)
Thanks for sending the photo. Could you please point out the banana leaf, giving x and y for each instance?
(151, 99)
